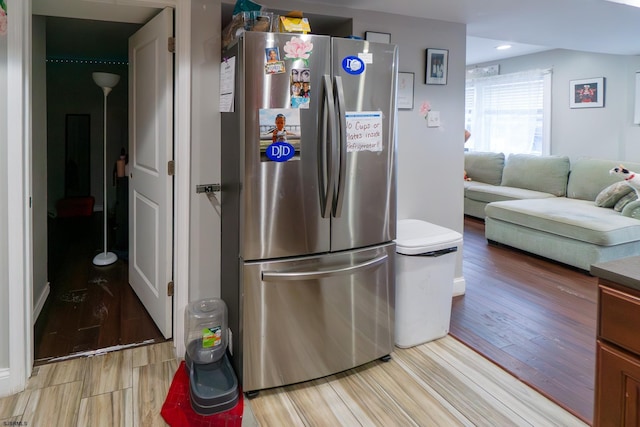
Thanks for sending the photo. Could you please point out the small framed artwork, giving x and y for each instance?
(437, 64)
(405, 91)
(372, 36)
(586, 93)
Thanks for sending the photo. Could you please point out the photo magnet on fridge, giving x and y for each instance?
(300, 87)
(273, 63)
(279, 134)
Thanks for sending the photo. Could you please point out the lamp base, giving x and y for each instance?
(105, 258)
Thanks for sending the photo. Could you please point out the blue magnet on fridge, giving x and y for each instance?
(353, 65)
(280, 151)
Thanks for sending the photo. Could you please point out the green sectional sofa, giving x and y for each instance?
(521, 177)
(593, 219)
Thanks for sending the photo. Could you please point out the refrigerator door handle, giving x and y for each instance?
(339, 196)
(276, 276)
(326, 158)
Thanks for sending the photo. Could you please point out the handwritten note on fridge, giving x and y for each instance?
(364, 131)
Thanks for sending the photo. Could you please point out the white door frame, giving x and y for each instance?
(20, 254)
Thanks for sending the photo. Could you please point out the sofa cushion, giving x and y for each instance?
(575, 219)
(608, 197)
(589, 177)
(495, 193)
(484, 166)
(547, 174)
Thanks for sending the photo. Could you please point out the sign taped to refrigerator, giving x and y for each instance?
(364, 131)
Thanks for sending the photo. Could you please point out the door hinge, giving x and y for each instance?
(170, 289)
(171, 44)
(171, 167)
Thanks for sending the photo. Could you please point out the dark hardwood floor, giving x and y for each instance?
(533, 317)
(89, 307)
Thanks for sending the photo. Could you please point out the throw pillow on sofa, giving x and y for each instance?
(625, 200)
(608, 197)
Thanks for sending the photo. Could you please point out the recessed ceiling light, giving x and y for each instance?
(503, 47)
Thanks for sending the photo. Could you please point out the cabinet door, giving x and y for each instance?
(617, 388)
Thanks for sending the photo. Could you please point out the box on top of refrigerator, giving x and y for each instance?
(294, 22)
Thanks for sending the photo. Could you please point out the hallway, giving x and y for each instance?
(88, 307)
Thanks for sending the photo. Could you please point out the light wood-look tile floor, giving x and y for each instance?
(441, 383)
(120, 388)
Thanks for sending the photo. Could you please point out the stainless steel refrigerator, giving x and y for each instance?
(308, 204)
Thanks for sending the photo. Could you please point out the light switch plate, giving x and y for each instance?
(433, 119)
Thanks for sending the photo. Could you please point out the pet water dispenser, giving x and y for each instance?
(212, 382)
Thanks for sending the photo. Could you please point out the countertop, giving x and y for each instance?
(625, 271)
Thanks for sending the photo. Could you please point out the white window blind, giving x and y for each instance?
(509, 113)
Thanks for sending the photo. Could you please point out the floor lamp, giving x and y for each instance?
(106, 81)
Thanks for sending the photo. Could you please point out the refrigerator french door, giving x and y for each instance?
(308, 205)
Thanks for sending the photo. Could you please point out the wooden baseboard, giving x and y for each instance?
(41, 300)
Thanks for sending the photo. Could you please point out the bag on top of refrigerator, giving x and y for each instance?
(247, 16)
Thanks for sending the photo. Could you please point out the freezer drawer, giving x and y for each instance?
(310, 317)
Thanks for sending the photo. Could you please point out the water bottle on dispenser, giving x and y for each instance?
(206, 337)
(213, 384)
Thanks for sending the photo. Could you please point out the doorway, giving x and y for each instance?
(88, 307)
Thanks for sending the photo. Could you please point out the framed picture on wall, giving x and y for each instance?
(405, 91)
(586, 93)
(437, 64)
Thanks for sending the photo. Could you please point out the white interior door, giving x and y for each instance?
(150, 150)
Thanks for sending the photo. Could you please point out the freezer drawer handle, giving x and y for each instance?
(273, 276)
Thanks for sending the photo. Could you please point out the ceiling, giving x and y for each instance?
(587, 25)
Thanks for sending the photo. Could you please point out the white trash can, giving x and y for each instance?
(425, 269)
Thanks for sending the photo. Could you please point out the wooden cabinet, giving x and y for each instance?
(617, 387)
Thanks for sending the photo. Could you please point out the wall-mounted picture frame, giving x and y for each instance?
(437, 65)
(405, 90)
(586, 93)
(373, 36)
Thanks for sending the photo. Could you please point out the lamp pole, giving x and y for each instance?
(106, 81)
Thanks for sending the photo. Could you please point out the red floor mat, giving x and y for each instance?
(177, 410)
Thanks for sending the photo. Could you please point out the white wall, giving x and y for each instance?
(608, 132)
(204, 253)
(39, 162)
(4, 279)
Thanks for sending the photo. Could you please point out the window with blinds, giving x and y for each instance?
(509, 113)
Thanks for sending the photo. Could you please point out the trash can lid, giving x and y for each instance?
(415, 237)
